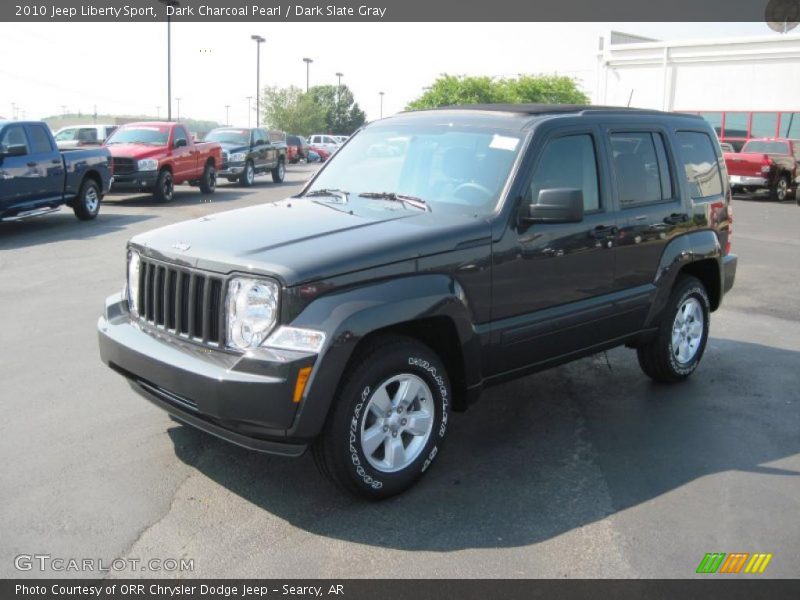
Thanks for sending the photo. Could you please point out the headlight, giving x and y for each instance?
(294, 338)
(134, 266)
(237, 157)
(252, 306)
(148, 164)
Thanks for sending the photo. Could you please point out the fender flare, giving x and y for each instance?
(688, 248)
(348, 316)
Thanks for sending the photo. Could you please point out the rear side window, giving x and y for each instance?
(641, 168)
(568, 162)
(40, 141)
(700, 164)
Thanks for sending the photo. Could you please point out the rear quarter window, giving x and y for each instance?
(700, 164)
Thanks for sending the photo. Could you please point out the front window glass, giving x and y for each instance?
(150, 135)
(568, 162)
(447, 166)
(66, 135)
(766, 147)
(230, 136)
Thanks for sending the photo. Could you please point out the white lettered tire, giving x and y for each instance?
(388, 421)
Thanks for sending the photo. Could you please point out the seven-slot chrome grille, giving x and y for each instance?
(183, 302)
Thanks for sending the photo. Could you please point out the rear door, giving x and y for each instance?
(651, 211)
(553, 283)
(47, 167)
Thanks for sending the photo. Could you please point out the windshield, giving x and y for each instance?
(766, 147)
(66, 135)
(155, 135)
(230, 136)
(446, 166)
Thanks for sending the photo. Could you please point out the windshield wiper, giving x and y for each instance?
(410, 200)
(342, 194)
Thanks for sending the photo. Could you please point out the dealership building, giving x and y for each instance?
(747, 86)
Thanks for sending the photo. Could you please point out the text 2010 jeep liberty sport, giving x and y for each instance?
(438, 253)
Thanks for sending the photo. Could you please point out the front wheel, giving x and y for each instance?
(279, 172)
(248, 175)
(87, 204)
(208, 182)
(165, 187)
(681, 339)
(389, 419)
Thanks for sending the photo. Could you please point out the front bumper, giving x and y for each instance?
(748, 181)
(244, 399)
(138, 180)
(231, 169)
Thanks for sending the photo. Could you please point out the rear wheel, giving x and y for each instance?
(165, 187)
(780, 190)
(682, 335)
(87, 204)
(279, 172)
(388, 421)
(208, 182)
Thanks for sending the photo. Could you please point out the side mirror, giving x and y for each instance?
(181, 143)
(557, 205)
(16, 150)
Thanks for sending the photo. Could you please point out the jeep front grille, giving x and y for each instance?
(183, 302)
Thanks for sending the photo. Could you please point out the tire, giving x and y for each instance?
(208, 181)
(279, 172)
(165, 187)
(780, 191)
(248, 176)
(660, 359)
(87, 204)
(375, 379)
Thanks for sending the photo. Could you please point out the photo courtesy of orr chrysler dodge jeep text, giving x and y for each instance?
(438, 252)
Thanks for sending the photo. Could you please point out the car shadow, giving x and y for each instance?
(546, 454)
(63, 226)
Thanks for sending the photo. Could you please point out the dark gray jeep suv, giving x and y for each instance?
(438, 253)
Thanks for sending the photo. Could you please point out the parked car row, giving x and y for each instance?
(765, 164)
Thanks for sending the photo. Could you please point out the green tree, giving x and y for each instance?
(292, 110)
(325, 108)
(450, 90)
(343, 115)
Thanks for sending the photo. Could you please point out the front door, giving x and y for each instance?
(553, 284)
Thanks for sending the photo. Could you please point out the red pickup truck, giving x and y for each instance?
(766, 164)
(155, 156)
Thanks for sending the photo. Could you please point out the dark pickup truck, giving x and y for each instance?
(247, 153)
(438, 253)
(36, 178)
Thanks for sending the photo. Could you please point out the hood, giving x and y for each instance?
(303, 239)
(135, 150)
(231, 147)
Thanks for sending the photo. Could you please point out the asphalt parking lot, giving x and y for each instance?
(587, 470)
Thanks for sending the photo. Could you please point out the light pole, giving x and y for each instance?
(158, 112)
(249, 98)
(308, 62)
(178, 100)
(258, 40)
(168, 3)
(381, 94)
(227, 112)
(339, 75)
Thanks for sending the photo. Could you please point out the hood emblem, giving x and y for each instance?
(181, 246)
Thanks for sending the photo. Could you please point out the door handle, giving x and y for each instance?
(56, 161)
(604, 231)
(676, 218)
(32, 164)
